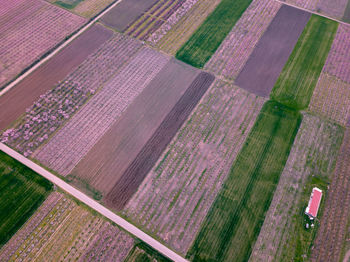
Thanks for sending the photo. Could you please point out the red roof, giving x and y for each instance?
(314, 202)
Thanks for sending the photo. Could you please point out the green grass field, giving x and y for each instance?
(208, 37)
(298, 79)
(234, 221)
(21, 191)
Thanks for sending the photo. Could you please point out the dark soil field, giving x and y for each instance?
(148, 156)
(333, 229)
(125, 13)
(272, 51)
(346, 16)
(110, 157)
(14, 103)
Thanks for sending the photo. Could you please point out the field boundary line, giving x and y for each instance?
(58, 49)
(313, 12)
(94, 205)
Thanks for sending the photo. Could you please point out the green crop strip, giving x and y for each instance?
(208, 37)
(22, 191)
(68, 4)
(234, 221)
(298, 79)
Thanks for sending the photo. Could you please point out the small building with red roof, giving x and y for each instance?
(314, 203)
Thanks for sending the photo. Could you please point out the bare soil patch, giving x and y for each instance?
(14, 103)
(268, 58)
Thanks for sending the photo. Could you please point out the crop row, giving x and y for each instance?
(171, 21)
(338, 61)
(331, 98)
(233, 223)
(55, 107)
(235, 50)
(150, 21)
(21, 191)
(314, 152)
(334, 222)
(175, 196)
(30, 38)
(299, 76)
(79, 135)
(186, 26)
(333, 8)
(68, 232)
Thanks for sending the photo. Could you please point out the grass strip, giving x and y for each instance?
(208, 37)
(234, 220)
(21, 191)
(299, 76)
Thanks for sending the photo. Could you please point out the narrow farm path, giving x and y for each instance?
(313, 12)
(94, 205)
(59, 48)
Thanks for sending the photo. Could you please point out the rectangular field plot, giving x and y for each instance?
(133, 176)
(54, 108)
(331, 99)
(314, 153)
(28, 30)
(208, 37)
(233, 222)
(235, 50)
(181, 25)
(125, 13)
(153, 19)
(175, 196)
(299, 76)
(63, 230)
(14, 103)
(111, 157)
(334, 221)
(88, 125)
(21, 191)
(272, 51)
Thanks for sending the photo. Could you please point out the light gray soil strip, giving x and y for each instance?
(125, 13)
(272, 52)
(107, 161)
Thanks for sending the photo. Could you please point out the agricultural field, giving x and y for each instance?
(129, 146)
(63, 230)
(143, 253)
(331, 97)
(15, 102)
(133, 176)
(125, 13)
(208, 37)
(234, 220)
(314, 154)
(71, 143)
(235, 50)
(334, 222)
(175, 196)
(181, 25)
(55, 107)
(272, 51)
(22, 191)
(153, 19)
(299, 76)
(29, 29)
